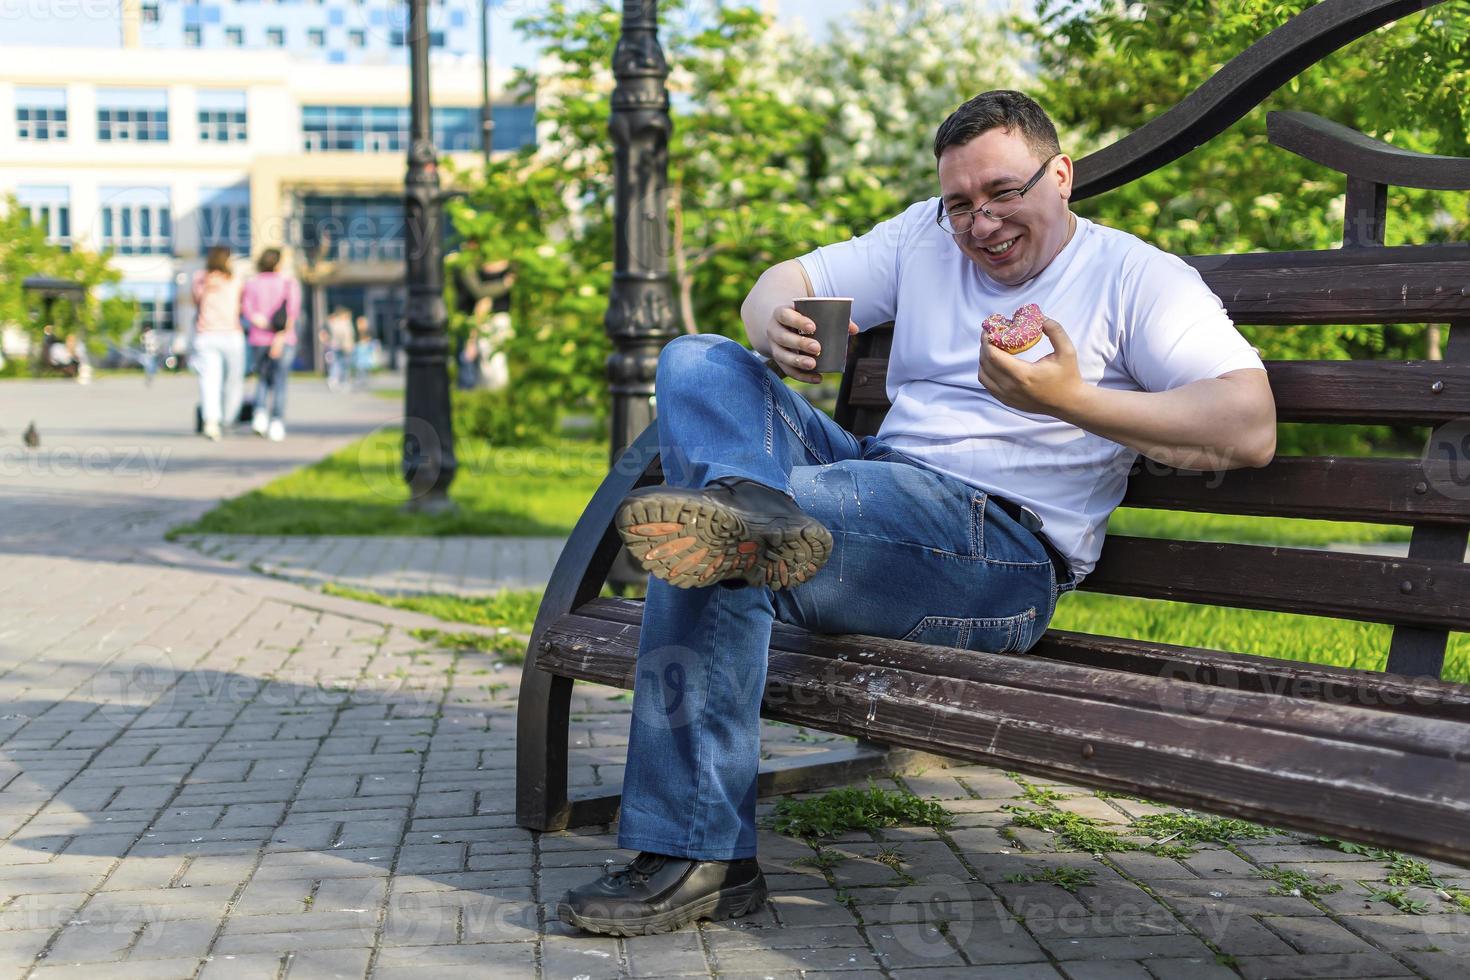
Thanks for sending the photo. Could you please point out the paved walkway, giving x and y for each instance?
(206, 772)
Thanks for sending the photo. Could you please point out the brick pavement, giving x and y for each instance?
(209, 773)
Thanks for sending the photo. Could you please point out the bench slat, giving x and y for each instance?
(1370, 392)
(1401, 591)
(1359, 392)
(1331, 488)
(1426, 697)
(1319, 767)
(1404, 284)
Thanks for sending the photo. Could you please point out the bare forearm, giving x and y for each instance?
(776, 287)
(1216, 424)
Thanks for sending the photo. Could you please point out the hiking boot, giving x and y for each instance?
(656, 893)
(731, 529)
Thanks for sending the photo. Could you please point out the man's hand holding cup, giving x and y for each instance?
(809, 338)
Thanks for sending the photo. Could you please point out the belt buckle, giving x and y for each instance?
(1029, 519)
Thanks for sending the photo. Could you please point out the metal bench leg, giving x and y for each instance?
(544, 703)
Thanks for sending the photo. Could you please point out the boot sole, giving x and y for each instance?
(689, 543)
(731, 903)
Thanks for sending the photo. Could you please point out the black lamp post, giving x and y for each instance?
(641, 315)
(428, 438)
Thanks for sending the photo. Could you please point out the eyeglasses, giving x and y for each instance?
(998, 208)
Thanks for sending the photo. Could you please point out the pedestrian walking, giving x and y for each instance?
(217, 349)
(338, 340)
(364, 353)
(270, 306)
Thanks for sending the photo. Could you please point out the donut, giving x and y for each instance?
(1017, 334)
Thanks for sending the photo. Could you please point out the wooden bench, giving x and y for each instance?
(1377, 757)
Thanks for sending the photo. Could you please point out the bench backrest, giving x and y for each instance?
(1423, 596)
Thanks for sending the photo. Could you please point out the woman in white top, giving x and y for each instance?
(218, 351)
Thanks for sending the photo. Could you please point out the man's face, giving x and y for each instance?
(997, 161)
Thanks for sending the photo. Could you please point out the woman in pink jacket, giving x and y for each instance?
(217, 352)
(270, 301)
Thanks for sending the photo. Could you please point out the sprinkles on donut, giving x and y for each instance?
(1020, 333)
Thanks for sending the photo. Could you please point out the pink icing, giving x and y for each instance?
(1017, 332)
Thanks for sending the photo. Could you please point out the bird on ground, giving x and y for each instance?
(31, 436)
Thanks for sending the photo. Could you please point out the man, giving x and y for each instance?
(984, 496)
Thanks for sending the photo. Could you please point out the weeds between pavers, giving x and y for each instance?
(1175, 835)
(1403, 872)
(839, 811)
(822, 860)
(1070, 879)
(1296, 884)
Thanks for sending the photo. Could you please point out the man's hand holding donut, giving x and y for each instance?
(1051, 385)
(794, 349)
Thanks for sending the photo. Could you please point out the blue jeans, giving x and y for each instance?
(271, 376)
(917, 555)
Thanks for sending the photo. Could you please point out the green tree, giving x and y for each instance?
(778, 146)
(24, 252)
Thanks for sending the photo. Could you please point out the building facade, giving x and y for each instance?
(333, 31)
(159, 158)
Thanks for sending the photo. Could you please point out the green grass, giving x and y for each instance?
(359, 490)
(512, 613)
(515, 609)
(1248, 530)
(1287, 635)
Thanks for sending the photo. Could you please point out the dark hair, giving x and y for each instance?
(218, 260)
(1003, 109)
(268, 260)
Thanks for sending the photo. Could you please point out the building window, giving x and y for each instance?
(362, 129)
(275, 37)
(384, 129)
(193, 37)
(397, 39)
(350, 229)
(515, 127)
(224, 218)
(358, 39)
(155, 312)
(40, 113)
(50, 210)
(436, 39)
(235, 37)
(136, 220)
(457, 129)
(132, 115)
(222, 116)
(150, 13)
(316, 37)
(155, 306)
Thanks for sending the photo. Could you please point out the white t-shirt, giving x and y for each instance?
(1140, 318)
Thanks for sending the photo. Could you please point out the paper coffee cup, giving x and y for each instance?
(831, 314)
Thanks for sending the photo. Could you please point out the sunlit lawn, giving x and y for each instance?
(1310, 638)
(359, 490)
